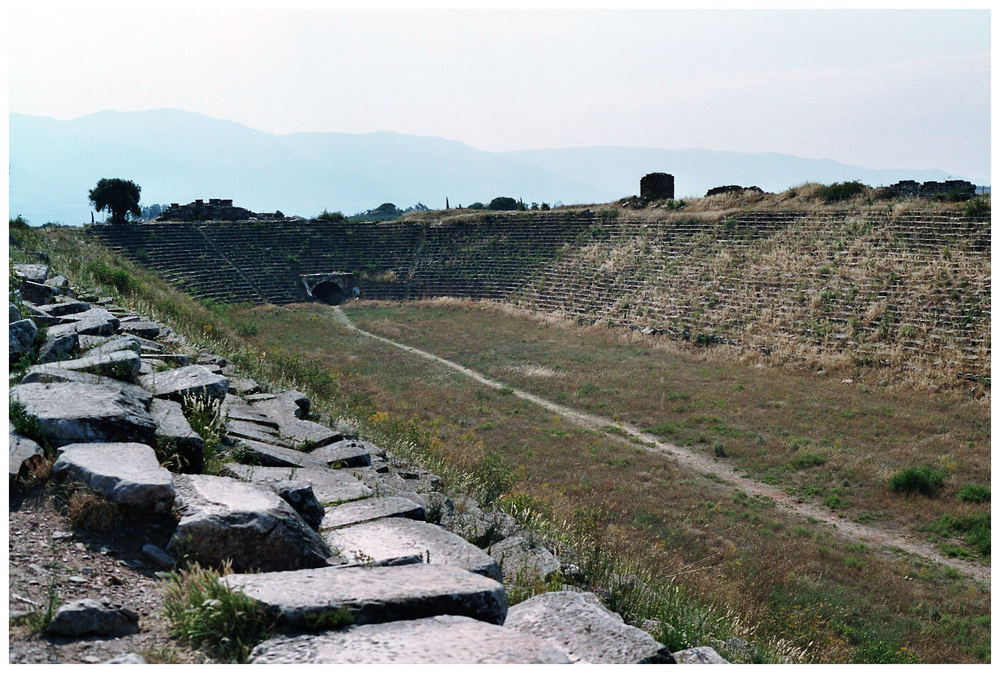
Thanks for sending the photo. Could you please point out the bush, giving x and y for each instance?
(327, 216)
(925, 480)
(841, 191)
(504, 203)
(119, 279)
(974, 493)
(977, 207)
(210, 615)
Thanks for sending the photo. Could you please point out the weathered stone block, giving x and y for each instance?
(657, 186)
(22, 338)
(432, 640)
(193, 381)
(89, 617)
(174, 431)
(360, 511)
(121, 365)
(373, 595)
(124, 473)
(82, 412)
(329, 486)
(22, 451)
(345, 453)
(585, 630)
(225, 519)
(397, 537)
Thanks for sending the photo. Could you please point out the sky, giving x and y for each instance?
(881, 89)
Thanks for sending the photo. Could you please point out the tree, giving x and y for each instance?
(117, 196)
(503, 203)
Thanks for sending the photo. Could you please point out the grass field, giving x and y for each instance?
(787, 585)
(823, 440)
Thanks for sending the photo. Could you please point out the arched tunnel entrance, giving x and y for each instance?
(329, 288)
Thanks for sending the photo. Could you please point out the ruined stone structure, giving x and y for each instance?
(909, 290)
(726, 189)
(957, 190)
(214, 210)
(656, 186)
(330, 288)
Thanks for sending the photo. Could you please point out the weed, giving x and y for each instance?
(719, 450)
(924, 479)
(91, 511)
(40, 619)
(24, 423)
(207, 614)
(807, 460)
(119, 279)
(494, 477)
(974, 493)
(327, 620)
(977, 207)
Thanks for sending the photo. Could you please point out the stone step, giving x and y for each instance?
(361, 511)
(395, 537)
(300, 599)
(432, 640)
(329, 486)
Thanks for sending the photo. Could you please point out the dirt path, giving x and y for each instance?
(688, 459)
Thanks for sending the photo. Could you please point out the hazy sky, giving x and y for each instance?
(882, 89)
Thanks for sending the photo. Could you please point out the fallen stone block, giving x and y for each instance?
(699, 655)
(59, 282)
(89, 617)
(121, 365)
(37, 293)
(397, 537)
(21, 338)
(147, 329)
(175, 433)
(255, 432)
(36, 273)
(345, 453)
(307, 434)
(242, 386)
(585, 630)
(522, 563)
(193, 381)
(124, 473)
(95, 321)
(65, 307)
(15, 313)
(58, 347)
(266, 454)
(83, 412)
(22, 451)
(370, 509)
(112, 345)
(223, 519)
(299, 494)
(329, 486)
(300, 599)
(156, 557)
(436, 640)
(235, 411)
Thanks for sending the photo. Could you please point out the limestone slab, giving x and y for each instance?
(124, 472)
(21, 338)
(523, 563)
(36, 273)
(436, 640)
(147, 329)
(345, 453)
(123, 365)
(328, 485)
(307, 433)
(360, 511)
(270, 455)
(83, 412)
(225, 519)
(374, 595)
(191, 381)
(58, 347)
(699, 655)
(254, 431)
(111, 345)
(396, 537)
(585, 630)
(243, 412)
(173, 430)
(65, 307)
(22, 450)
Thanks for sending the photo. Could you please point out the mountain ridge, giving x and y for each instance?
(179, 156)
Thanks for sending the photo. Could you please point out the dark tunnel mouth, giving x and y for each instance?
(329, 292)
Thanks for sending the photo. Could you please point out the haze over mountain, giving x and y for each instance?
(181, 156)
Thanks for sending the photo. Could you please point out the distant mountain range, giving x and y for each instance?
(182, 156)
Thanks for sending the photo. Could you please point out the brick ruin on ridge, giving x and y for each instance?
(213, 211)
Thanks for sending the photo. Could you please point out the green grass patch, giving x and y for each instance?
(925, 480)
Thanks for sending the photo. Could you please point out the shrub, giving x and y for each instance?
(119, 279)
(977, 207)
(503, 203)
(974, 493)
(327, 216)
(924, 479)
(841, 191)
(210, 615)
